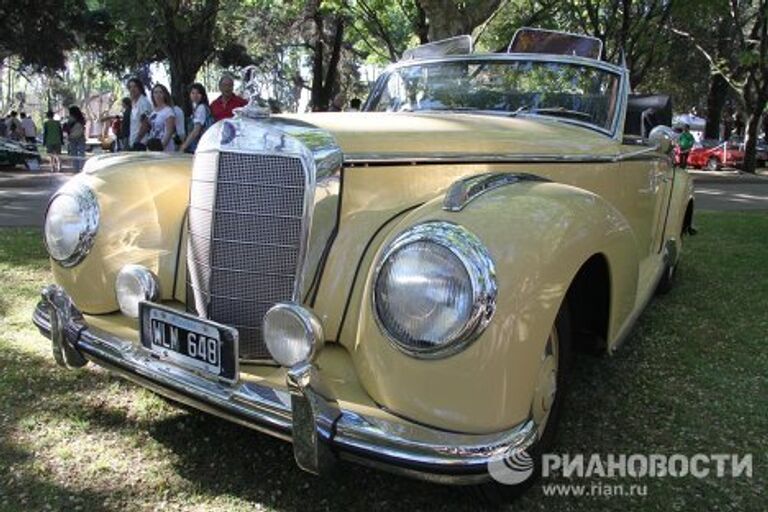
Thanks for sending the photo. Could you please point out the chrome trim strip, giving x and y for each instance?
(477, 262)
(362, 159)
(465, 190)
(393, 445)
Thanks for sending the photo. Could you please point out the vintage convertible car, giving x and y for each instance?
(400, 287)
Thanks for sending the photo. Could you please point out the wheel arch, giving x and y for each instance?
(589, 302)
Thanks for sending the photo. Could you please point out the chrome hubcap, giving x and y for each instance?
(546, 383)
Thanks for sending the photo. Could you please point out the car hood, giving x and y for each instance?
(364, 135)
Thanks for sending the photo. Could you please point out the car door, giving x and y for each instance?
(644, 181)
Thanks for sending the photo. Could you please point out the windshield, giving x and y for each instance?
(563, 90)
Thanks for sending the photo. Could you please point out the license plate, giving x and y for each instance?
(200, 345)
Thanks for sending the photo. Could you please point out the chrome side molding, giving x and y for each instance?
(465, 190)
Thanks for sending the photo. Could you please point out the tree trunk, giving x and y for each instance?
(449, 18)
(187, 41)
(332, 74)
(325, 76)
(750, 140)
(716, 96)
(420, 25)
(316, 96)
(182, 78)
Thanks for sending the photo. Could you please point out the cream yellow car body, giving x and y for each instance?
(586, 207)
(603, 219)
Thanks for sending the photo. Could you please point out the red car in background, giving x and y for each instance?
(713, 155)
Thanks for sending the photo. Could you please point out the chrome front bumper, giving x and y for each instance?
(320, 431)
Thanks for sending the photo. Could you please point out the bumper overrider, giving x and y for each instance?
(321, 431)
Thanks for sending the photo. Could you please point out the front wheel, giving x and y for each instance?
(713, 164)
(551, 385)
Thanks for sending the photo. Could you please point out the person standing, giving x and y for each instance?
(15, 132)
(53, 138)
(3, 126)
(76, 137)
(201, 118)
(138, 123)
(124, 137)
(30, 130)
(13, 122)
(685, 143)
(162, 121)
(223, 106)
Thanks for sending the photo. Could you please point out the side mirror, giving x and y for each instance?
(663, 137)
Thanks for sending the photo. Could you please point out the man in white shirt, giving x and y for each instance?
(140, 110)
(29, 128)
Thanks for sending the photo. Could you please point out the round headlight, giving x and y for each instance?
(435, 289)
(292, 333)
(71, 223)
(134, 284)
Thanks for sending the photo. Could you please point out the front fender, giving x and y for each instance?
(539, 235)
(142, 199)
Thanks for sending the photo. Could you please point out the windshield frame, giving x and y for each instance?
(616, 126)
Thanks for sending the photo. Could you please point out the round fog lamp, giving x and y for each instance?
(134, 284)
(292, 333)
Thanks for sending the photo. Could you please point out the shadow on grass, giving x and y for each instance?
(32, 391)
(690, 379)
(221, 458)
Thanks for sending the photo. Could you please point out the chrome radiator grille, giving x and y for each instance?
(245, 229)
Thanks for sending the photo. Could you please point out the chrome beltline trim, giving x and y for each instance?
(397, 446)
(362, 159)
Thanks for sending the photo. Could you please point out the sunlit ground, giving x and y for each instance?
(691, 378)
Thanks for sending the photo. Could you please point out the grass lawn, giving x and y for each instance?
(692, 378)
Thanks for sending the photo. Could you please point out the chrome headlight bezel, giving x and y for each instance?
(88, 209)
(479, 266)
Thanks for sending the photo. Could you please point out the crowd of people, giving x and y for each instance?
(151, 123)
(18, 127)
(156, 124)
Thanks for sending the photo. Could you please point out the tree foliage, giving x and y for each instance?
(185, 33)
(448, 18)
(40, 32)
(739, 55)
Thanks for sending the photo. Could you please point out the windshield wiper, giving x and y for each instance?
(552, 111)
